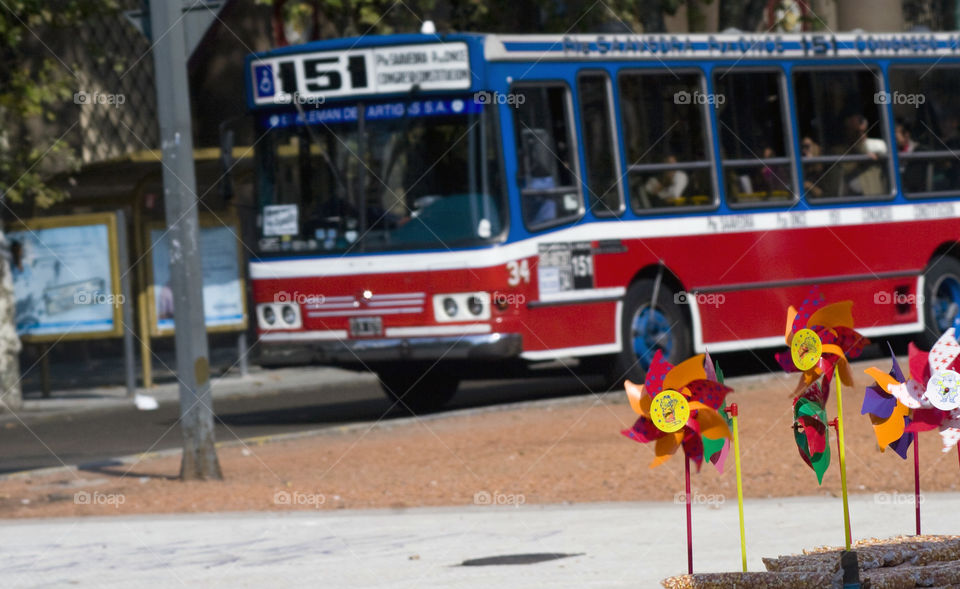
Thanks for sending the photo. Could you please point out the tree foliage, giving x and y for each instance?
(35, 84)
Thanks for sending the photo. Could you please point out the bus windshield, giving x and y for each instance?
(374, 177)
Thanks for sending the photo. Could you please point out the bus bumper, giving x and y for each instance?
(491, 346)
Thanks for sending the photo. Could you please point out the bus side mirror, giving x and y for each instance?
(226, 162)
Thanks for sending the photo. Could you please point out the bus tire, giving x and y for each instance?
(418, 390)
(644, 330)
(941, 303)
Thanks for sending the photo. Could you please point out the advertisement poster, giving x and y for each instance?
(64, 283)
(223, 295)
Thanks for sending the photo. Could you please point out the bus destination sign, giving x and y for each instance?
(311, 78)
(812, 45)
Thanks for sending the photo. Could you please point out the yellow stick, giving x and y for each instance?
(843, 463)
(736, 456)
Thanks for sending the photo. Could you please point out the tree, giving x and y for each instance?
(34, 86)
(746, 15)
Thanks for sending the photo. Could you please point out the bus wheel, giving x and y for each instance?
(647, 328)
(418, 390)
(941, 299)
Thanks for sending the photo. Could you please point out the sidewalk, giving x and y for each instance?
(610, 544)
(88, 386)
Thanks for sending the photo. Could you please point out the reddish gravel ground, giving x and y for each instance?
(568, 451)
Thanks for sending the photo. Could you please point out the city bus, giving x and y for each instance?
(434, 207)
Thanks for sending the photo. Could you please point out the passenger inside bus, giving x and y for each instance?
(814, 171)
(669, 187)
(861, 178)
(915, 175)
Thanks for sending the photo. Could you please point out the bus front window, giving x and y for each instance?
(412, 174)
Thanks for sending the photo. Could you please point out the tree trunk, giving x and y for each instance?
(11, 398)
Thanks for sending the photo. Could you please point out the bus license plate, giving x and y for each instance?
(366, 326)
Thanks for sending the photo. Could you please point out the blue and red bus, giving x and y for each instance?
(435, 206)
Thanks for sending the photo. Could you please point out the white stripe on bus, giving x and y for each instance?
(679, 226)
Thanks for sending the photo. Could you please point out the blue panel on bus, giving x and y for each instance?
(265, 86)
(376, 112)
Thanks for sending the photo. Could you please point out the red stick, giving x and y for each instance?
(916, 477)
(689, 521)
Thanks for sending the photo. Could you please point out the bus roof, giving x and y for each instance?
(385, 65)
(498, 47)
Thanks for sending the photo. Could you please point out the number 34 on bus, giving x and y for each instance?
(440, 207)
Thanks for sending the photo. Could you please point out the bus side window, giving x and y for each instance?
(844, 149)
(664, 126)
(599, 146)
(926, 128)
(546, 171)
(756, 156)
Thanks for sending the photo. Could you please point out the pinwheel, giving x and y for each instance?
(810, 429)
(889, 415)
(821, 339)
(931, 395)
(680, 406)
(900, 408)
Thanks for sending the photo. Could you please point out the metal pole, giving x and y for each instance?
(126, 306)
(183, 236)
(242, 353)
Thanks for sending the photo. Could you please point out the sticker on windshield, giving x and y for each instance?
(281, 220)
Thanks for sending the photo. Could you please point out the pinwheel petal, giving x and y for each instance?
(944, 352)
(693, 448)
(877, 403)
(655, 374)
(711, 424)
(685, 372)
(924, 420)
(710, 393)
(666, 447)
(891, 429)
(839, 314)
(950, 436)
(919, 366)
(903, 444)
(708, 367)
(895, 372)
(643, 431)
(884, 380)
(639, 400)
(908, 393)
(791, 324)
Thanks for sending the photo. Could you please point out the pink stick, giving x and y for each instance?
(689, 521)
(916, 477)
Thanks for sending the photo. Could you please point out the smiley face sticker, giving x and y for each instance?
(943, 390)
(806, 349)
(669, 411)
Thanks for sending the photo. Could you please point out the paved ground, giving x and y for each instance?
(90, 429)
(611, 545)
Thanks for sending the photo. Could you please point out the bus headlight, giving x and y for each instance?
(465, 306)
(475, 305)
(450, 307)
(278, 316)
(269, 316)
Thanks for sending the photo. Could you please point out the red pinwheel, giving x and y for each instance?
(838, 341)
(688, 396)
